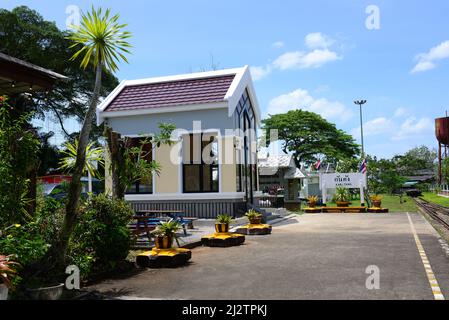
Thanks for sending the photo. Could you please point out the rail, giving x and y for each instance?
(436, 212)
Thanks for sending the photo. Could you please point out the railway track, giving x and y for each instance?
(436, 212)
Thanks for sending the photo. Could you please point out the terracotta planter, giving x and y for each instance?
(343, 204)
(255, 220)
(163, 242)
(46, 293)
(3, 292)
(377, 204)
(222, 227)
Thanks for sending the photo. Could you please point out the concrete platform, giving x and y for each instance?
(164, 258)
(223, 240)
(311, 256)
(255, 229)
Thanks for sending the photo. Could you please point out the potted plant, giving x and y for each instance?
(342, 197)
(7, 272)
(165, 233)
(222, 223)
(377, 201)
(254, 217)
(312, 201)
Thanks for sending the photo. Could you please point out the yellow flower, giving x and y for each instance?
(18, 225)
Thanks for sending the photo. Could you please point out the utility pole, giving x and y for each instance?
(360, 103)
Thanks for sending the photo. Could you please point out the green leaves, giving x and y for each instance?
(224, 218)
(102, 40)
(135, 163)
(308, 136)
(18, 149)
(93, 155)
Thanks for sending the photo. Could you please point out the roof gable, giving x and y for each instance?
(172, 93)
(194, 91)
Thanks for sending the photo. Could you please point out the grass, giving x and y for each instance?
(433, 197)
(390, 202)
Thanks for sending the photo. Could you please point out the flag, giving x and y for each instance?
(363, 166)
(318, 164)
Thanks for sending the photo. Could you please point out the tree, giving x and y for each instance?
(307, 135)
(383, 176)
(102, 43)
(416, 159)
(93, 156)
(129, 163)
(48, 154)
(18, 148)
(25, 34)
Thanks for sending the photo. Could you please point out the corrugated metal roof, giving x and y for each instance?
(294, 173)
(172, 93)
(276, 161)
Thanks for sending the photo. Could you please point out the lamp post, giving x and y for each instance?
(361, 103)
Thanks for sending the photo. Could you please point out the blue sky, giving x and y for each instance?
(313, 54)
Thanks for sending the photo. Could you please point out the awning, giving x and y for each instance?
(18, 76)
(294, 173)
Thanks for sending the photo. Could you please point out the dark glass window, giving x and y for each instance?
(246, 169)
(145, 184)
(200, 163)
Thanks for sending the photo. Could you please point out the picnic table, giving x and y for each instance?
(154, 217)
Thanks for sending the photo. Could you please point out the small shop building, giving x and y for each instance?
(217, 108)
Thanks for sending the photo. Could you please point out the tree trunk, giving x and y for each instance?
(59, 250)
(116, 158)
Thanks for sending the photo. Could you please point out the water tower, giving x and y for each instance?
(442, 134)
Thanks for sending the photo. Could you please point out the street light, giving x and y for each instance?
(361, 103)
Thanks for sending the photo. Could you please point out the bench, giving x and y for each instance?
(188, 221)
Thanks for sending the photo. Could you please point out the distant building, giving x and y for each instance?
(419, 177)
(279, 173)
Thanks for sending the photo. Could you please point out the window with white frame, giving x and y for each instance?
(200, 163)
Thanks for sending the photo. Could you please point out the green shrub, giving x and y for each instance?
(224, 218)
(49, 218)
(342, 195)
(102, 238)
(24, 243)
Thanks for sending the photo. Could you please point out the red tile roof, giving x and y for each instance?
(172, 93)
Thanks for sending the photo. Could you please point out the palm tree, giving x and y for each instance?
(102, 44)
(93, 156)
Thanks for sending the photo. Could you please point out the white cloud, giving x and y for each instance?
(301, 99)
(412, 127)
(423, 66)
(400, 112)
(258, 73)
(426, 61)
(373, 127)
(303, 60)
(318, 53)
(317, 40)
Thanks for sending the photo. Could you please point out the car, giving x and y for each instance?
(58, 191)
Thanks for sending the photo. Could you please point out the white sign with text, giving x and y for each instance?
(343, 180)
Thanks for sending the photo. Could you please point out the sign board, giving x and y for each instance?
(343, 180)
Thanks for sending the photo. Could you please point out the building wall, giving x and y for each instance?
(229, 167)
(148, 124)
(168, 179)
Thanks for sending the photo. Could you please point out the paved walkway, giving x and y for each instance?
(321, 256)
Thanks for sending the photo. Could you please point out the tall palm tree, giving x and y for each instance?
(93, 156)
(102, 44)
